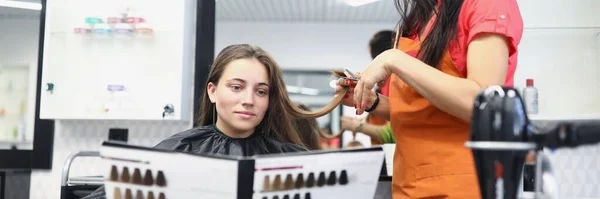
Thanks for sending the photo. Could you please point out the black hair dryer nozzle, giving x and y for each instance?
(499, 134)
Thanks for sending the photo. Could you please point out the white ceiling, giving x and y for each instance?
(280, 11)
(305, 11)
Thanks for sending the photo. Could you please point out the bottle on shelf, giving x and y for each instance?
(530, 96)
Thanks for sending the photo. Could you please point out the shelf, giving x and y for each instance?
(581, 117)
(4, 142)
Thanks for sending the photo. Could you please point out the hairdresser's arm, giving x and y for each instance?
(383, 107)
(487, 63)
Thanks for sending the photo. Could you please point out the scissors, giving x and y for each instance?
(354, 77)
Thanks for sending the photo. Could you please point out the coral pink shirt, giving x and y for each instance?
(487, 16)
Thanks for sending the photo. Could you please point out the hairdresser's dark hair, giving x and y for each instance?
(381, 41)
(415, 15)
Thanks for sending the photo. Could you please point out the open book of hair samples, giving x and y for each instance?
(136, 172)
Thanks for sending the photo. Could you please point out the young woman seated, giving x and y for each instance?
(246, 110)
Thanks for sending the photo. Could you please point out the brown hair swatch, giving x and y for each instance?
(148, 179)
(162, 196)
(267, 183)
(128, 194)
(139, 194)
(150, 195)
(114, 173)
(276, 186)
(137, 176)
(125, 175)
(288, 183)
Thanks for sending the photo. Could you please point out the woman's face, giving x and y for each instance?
(241, 97)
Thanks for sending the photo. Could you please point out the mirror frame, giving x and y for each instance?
(40, 157)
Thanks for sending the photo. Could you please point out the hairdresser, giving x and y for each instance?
(447, 51)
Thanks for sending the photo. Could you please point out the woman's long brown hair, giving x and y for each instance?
(278, 120)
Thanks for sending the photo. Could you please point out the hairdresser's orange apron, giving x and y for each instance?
(431, 160)
(376, 120)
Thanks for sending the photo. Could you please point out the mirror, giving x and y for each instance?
(309, 38)
(18, 74)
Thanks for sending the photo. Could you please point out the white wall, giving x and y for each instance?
(305, 45)
(567, 84)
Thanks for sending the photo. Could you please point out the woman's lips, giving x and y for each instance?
(245, 114)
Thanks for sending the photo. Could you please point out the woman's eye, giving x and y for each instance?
(261, 92)
(236, 88)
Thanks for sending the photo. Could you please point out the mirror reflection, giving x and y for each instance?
(309, 39)
(18, 69)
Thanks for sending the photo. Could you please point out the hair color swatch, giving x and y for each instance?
(128, 194)
(299, 181)
(288, 183)
(139, 194)
(114, 173)
(343, 178)
(276, 186)
(310, 182)
(125, 175)
(148, 179)
(321, 180)
(117, 193)
(150, 195)
(267, 183)
(160, 179)
(137, 176)
(332, 179)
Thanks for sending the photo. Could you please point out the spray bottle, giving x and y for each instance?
(530, 95)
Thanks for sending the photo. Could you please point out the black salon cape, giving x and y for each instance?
(208, 139)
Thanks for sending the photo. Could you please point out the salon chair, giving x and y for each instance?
(78, 187)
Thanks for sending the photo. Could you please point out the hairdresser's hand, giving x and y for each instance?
(376, 72)
(348, 99)
(342, 84)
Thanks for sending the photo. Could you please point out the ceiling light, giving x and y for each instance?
(21, 5)
(356, 3)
